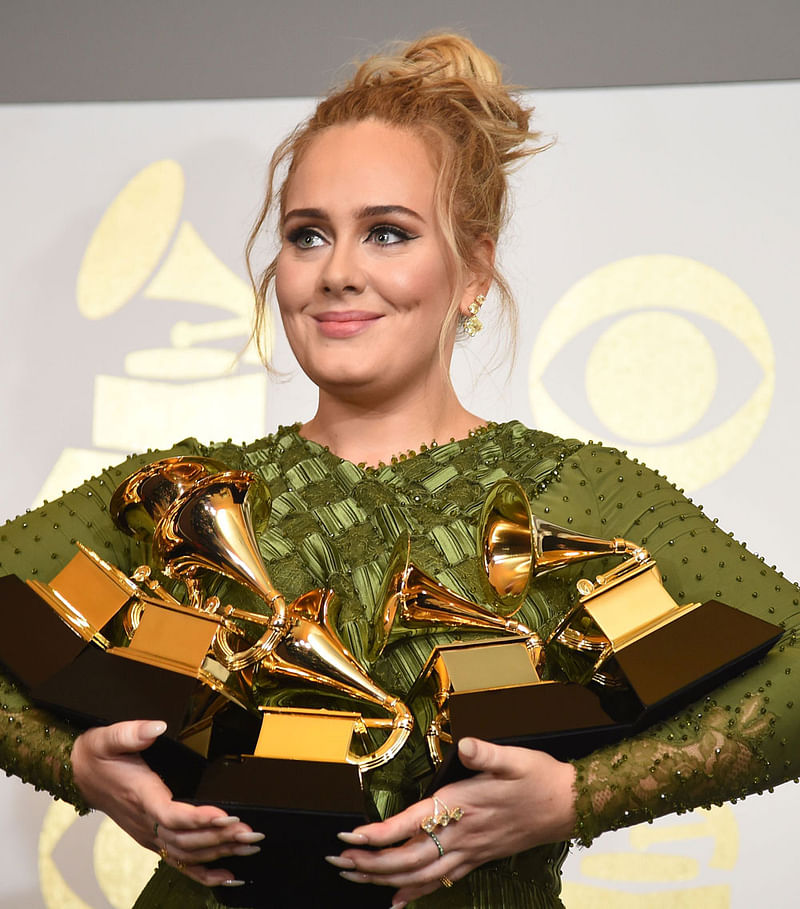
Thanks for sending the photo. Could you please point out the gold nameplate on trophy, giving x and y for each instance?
(491, 690)
(100, 589)
(306, 735)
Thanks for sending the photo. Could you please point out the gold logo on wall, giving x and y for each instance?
(203, 384)
(662, 879)
(652, 374)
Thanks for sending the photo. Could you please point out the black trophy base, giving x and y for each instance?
(687, 657)
(666, 670)
(300, 806)
(564, 719)
(35, 642)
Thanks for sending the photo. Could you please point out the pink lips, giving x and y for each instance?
(335, 324)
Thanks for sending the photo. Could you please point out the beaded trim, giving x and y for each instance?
(411, 453)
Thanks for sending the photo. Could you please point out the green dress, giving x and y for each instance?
(334, 524)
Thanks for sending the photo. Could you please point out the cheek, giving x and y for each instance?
(423, 282)
(289, 285)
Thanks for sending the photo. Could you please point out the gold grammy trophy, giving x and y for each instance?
(641, 638)
(486, 688)
(647, 654)
(208, 531)
(109, 647)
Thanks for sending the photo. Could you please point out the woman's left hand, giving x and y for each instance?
(518, 799)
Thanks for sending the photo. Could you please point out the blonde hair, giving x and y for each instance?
(450, 93)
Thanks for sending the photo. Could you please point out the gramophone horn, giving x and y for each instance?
(516, 546)
(412, 599)
(212, 528)
(140, 502)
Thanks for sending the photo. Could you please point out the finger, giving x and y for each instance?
(416, 853)
(399, 827)
(210, 837)
(177, 816)
(209, 877)
(427, 876)
(129, 737)
(484, 757)
(209, 854)
(409, 893)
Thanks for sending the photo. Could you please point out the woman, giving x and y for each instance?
(389, 214)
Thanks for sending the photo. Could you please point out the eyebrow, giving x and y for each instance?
(368, 211)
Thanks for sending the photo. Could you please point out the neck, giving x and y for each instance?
(372, 432)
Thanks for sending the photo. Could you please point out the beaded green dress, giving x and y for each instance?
(334, 524)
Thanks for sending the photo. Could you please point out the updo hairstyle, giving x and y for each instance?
(450, 93)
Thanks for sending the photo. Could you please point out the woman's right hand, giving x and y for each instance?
(113, 777)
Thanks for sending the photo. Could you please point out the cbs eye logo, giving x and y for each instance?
(655, 354)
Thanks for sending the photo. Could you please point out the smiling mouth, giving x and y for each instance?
(334, 324)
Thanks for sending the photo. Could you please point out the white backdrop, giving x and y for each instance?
(653, 251)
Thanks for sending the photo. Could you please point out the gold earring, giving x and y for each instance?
(472, 324)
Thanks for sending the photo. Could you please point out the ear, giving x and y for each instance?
(479, 274)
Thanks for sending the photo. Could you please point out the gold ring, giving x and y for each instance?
(441, 817)
(181, 866)
(163, 854)
(446, 881)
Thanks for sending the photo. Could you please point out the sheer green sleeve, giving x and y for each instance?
(745, 736)
(34, 744)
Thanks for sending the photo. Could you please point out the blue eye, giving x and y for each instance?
(305, 238)
(386, 235)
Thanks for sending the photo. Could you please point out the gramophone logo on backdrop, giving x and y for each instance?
(192, 388)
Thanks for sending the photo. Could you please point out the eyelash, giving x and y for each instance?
(295, 236)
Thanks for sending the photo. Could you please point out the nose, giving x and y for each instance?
(342, 272)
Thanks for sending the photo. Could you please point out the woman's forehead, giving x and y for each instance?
(361, 164)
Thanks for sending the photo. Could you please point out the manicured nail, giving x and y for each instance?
(224, 821)
(246, 850)
(339, 862)
(154, 729)
(232, 883)
(468, 748)
(353, 839)
(355, 876)
(249, 837)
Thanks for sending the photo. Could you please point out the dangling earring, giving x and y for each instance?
(472, 324)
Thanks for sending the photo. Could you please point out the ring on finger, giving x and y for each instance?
(446, 881)
(441, 817)
(435, 839)
(163, 854)
(181, 866)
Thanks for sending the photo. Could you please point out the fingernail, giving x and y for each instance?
(339, 862)
(467, 747)
(249, 837)
(246, 850)
(353, 839)
(232, 883)
(224, 821)
(355, 877)
(154, 729)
